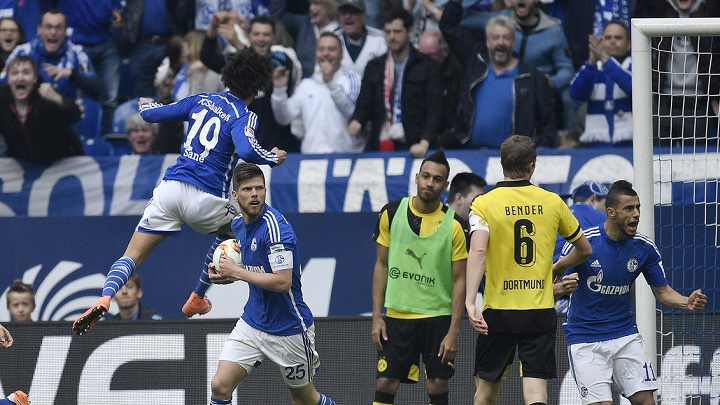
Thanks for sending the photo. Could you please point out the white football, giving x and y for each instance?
(230, 248)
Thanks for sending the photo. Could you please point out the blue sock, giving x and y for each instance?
(325, 400)
(215, 401)
(204, 282)
(118, 275)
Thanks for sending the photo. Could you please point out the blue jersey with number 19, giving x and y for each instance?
(220, 128)
(269, 245)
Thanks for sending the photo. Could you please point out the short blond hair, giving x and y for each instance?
(136, 123)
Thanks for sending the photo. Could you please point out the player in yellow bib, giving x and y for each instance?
(419, 278)
(513, 231)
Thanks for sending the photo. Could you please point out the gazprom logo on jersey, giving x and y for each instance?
(214, 108)
(594, 284)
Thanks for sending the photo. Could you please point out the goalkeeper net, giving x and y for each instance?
(676, 84)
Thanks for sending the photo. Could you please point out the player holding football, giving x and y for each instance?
(195, 190)
(604, 345)
(276, 323)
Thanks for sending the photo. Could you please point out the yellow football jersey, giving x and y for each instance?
(523, 221)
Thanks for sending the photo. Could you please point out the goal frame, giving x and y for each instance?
(642, 30)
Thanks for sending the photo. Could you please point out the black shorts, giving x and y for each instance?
(495, 352)
(408, 341)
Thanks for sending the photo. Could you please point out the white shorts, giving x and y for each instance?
(175, 203)
(294, 355)
(620, 362)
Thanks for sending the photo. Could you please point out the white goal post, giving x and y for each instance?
(646, 181)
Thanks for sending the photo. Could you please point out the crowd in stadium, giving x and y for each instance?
(389, 74)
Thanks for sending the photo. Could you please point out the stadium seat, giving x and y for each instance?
(90, 124)
(122, 113)
(119, 143)
(97, 147)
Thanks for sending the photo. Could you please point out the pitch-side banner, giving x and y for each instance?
(173, 362)
(110, 186)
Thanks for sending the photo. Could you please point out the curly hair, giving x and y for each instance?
(246, 73)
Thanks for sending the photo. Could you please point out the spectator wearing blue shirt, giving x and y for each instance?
(501, 95)
(605, 83)
(27, 13)
(146, 27)
(62, 63)
(91, 22)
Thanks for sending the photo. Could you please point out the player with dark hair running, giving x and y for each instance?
(604, 345)
(513, 229)
(196, 189)
(276, 323)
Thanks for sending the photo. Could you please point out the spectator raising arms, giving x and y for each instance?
(37, 121)
(324, 102)
(61, 62)
(605, 82)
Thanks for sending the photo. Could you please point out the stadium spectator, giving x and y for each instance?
(91, 23)
(195, 190)
(399, 94)
(141, 135)
(540, 42)
(20, 301)
(262, 39)
(306, 28)
(193, 76)
(145, 30)
(176, 56)
(464, 187)
(607, 353)
(11, 34)
(687, 78)
(433, 44)
(418, 234)
(361, 43)
(27, 13)
(324, 102)
(509, 245)
(502, 96)
(605, 83)
(37, 121)
(128, 301)
(197, 14)
(61, 62)
(276, 323)
(588, 206)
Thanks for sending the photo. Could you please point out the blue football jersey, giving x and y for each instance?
(601, 307)
(588, 217)
(221, 130)
(268, 243)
